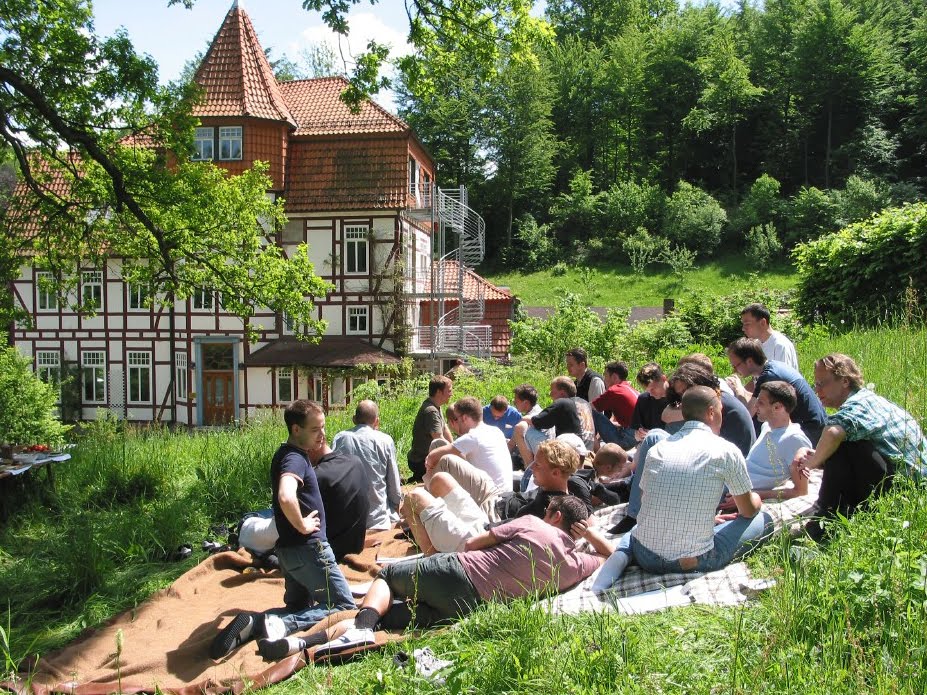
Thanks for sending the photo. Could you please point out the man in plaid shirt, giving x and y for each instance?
(685, 475)
(863, 444)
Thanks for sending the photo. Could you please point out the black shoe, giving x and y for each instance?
(236, 633)
(624, 525)
(276, 649)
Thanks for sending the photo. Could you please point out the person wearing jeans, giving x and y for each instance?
(677, 528)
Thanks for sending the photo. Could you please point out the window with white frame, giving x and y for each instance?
(180, 374)
(91, 282)
(413, 176)
(203, 143)
(203, 300)
(230, 143)
(284, 385)
(355, 249)
(139, 366)
(318, 388)
(138, 295)
(357, 319)
(48, 367)
(93, 376)
(45, 295)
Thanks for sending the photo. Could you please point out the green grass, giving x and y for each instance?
(846, 619)
(617, 286)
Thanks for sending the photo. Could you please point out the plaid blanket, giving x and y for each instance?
(640, 592)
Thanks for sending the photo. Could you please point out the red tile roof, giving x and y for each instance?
(236, 77)
(472, 283)
(317, 106)
(347, 174)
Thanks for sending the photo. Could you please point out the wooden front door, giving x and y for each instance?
(218, 397)
(218, 384)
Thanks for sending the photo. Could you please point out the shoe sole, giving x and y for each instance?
(231, 637)
(273, 650)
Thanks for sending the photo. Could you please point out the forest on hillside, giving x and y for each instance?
(611, 128)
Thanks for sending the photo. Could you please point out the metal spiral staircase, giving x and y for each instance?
(455, 326)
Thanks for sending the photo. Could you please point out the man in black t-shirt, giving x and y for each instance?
(650, 404)
(561, 416)
(429, 425)
(343, 485)
(314, 586)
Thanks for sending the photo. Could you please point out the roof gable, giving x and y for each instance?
(317, 106)
(236, 77)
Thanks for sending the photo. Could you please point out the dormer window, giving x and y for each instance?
(203, 144)
(230, 143)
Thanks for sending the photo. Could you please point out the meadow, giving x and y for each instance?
(618, 286)
(848, 617)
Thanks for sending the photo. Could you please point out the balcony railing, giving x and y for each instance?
(473, 339)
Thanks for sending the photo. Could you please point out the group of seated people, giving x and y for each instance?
(694, 456)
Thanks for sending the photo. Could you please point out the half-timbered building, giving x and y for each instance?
(360, 189)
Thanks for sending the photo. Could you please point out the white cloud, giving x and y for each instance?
(363, 28)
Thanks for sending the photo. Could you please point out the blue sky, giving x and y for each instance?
(174, 35)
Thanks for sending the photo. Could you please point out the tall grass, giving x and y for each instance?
(846, 618)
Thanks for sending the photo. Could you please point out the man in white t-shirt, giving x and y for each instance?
(770, 458)
(482, 445)
(755, 322)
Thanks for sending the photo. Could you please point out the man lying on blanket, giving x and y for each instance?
(518, 558)
(684, 477)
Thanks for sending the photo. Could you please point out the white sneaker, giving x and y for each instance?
(354, 637)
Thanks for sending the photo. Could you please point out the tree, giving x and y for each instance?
(103, 153)
(27, 404)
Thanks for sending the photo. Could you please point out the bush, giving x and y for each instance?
(679, 259)
(27, 404)
(716, 319)
(642, 249)
(763, 244)
(629, 206)
(694, 219)
(860, 199)
(572, 324)
(647, 338)
(577, 214)
(863, 272)
(536, 248)
(810, 213)
(761, 206)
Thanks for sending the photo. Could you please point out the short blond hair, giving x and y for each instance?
(560, 456)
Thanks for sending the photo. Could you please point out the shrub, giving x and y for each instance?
(716, 319)
(629, 206)
(578, 213)
(536, 248)
(27, 404)
(642, 249)
(679, 259)
(647, 338)
(761, 206)
(810, 213)
(863, 271)
(560, 269)
(694, 219)
(572, 324)
(763, 243)
(860, 199)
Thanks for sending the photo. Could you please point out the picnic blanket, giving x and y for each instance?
(163, 644)
(640, 592)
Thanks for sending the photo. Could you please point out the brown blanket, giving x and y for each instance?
(164, 643)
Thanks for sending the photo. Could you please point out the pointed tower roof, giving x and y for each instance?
(236, 76)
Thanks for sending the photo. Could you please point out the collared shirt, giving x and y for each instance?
(506, 423)
(894, 433)
(377, 451)
(681, 485)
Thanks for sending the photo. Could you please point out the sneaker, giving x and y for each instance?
(233, 635)
(427, 664)
(354, 637)
(276, 649)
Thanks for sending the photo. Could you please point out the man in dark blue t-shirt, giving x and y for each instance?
(314, 586)
(749, 360)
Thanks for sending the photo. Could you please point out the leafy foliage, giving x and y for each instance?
(861, 272)
(694, 219)
(642, 249)
(811, 213)
(27, 404)
(763, 243)
(715, 319)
